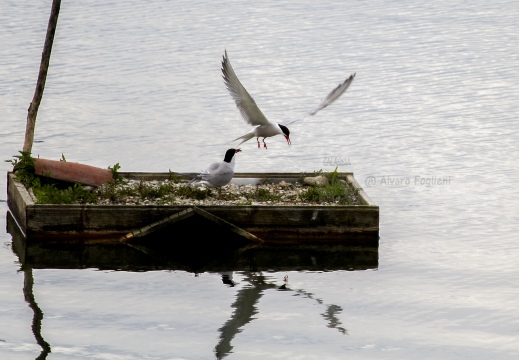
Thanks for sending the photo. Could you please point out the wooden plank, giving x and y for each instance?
(147, 176)
(43, 218)
(157, 225)
(366, 200)
(18, 199)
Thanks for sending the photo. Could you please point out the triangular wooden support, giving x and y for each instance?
(185, 214)
(148, 229)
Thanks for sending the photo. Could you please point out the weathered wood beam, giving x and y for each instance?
(42, 77)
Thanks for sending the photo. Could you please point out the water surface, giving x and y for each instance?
(139, 84)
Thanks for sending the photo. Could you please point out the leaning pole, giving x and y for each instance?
(42, 77)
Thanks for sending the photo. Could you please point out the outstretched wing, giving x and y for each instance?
(245, 103)
(332, 96)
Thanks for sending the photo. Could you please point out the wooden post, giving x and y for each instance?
(42, 77)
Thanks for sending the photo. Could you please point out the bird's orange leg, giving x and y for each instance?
(257, 139)
(264, 143)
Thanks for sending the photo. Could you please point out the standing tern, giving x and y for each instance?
(219, 173)
(263, 128)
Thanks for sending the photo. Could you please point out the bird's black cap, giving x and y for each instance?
(284, 129)
(229, 154)
(286, 132)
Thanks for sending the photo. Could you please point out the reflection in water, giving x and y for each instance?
(245, 308)
(164, 253)
(227, 278)
(333, 321)
(38, 314)
(330, 313)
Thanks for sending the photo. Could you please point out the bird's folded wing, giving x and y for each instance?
(212, 167)
(245, 103)
(223, 172)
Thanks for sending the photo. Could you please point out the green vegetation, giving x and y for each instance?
(115, 172)
(166, 192)
(335, 191)
(264, 195)
(52, 194)
(23, 167)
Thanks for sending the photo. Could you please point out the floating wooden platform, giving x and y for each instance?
(343, 224)
(186, 255)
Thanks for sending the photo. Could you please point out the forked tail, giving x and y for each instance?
(245, 137)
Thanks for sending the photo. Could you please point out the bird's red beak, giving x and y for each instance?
(237, 151)
(288, 140)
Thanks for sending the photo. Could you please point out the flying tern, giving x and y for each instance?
(263, 128)
(219, 173)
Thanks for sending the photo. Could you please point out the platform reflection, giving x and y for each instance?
(192, 254)
(226, 256)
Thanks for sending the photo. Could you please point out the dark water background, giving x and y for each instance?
(429, 128)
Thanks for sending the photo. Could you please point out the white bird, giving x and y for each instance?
(263, 128)
(219, 173)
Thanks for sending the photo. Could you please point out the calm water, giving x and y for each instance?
(429, 127)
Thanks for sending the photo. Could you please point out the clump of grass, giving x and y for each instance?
(74, 194)
(335, 191)
(115, 171)
(23, 167)
(263, 195)
(193, 192)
